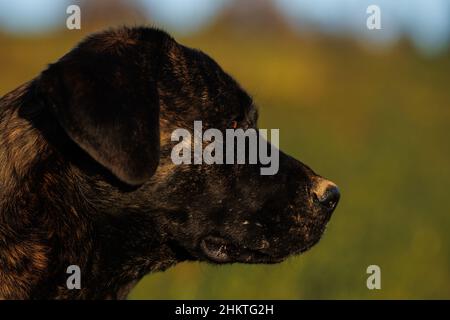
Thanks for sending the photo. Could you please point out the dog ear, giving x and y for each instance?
(104, 95)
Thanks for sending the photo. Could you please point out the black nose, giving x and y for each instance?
(327, 195)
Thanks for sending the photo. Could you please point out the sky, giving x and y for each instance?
(426, 22)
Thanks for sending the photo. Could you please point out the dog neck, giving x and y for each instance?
(47, 231)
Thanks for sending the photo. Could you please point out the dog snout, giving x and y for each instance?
(326, 194)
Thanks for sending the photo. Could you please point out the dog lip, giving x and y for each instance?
(216, 249)
(220, 250)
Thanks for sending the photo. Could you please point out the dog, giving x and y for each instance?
(86, 177)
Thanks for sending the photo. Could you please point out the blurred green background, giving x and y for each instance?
(370, 113)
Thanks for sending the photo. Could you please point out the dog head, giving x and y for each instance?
(119, 96)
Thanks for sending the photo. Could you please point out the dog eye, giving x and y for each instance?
(238, 122)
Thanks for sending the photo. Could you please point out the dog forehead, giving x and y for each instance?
(195, 73)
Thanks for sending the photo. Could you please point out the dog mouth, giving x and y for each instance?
(220, 250)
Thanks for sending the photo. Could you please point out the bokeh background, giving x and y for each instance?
(368, 109)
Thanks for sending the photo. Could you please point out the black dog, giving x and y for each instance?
(86, 176)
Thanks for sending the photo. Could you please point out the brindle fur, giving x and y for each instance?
(78, 186)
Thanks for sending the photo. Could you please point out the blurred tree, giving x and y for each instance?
(253, 16)
(104, 13)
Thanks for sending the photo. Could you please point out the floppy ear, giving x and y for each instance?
(104, 95)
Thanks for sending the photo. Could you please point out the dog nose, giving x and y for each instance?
(326, 193)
